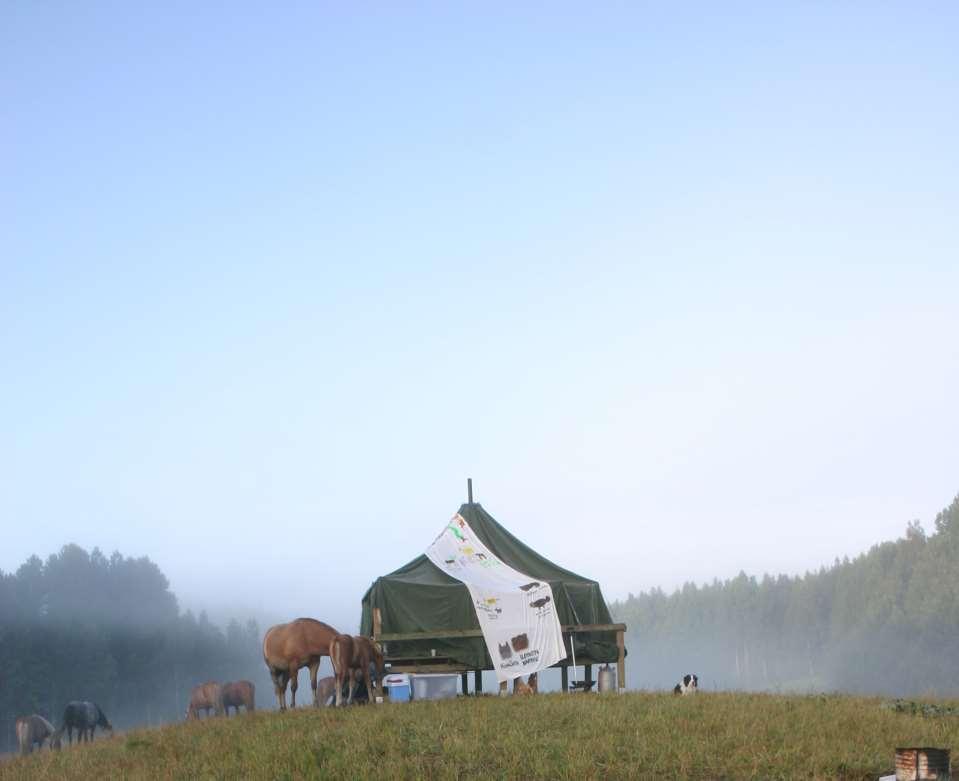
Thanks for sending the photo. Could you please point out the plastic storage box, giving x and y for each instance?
(435, 686)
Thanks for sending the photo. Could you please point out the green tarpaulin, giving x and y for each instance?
(419, 597)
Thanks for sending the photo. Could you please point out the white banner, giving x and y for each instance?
(516, 612)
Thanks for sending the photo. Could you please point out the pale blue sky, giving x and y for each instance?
(676, 284)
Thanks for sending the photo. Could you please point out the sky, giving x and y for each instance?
(675, 284)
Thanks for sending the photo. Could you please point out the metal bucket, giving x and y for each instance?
(607, 679)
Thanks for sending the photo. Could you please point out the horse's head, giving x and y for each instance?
(103, 722)
(378, 657)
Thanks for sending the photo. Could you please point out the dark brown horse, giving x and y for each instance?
(205, 697)
(84, 717)
(237, 693)
(35, 730)
(352, 658)
(288, 647)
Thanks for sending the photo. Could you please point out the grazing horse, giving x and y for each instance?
(205, 697)
(288, 647)
(237, 693)
(35, 729)
(530, 687)
(325, 688)
(85, 717)
(352, 658)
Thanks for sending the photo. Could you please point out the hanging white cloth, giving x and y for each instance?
(516, 612)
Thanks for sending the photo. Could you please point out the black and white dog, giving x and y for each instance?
(688, 685)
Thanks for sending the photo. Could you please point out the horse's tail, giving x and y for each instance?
(251, 705)
(266, 637)
(23, 735)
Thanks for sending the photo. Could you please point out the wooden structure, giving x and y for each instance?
(438, 664)
(923, 764)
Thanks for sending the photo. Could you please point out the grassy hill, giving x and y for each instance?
(550, 736)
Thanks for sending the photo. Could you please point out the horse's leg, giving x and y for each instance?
(279, 686)
(338, 683)
(294, 675)
(314, 667)
(351, 677)
(369, 691)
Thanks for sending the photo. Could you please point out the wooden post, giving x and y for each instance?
(502, 688)
(621, 662)
(565, 673)
(478, 681)
(469, 489)
(377, 631)
(465, 683)
(589, 675)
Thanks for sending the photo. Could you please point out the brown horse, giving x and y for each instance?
(530, 687)
(35, 729)
(237, 693)
(205, 697)
(288, 647)
(352, 658)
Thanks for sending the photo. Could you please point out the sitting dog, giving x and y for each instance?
(688, 685)
(530, 687)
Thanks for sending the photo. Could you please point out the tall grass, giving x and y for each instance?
(638, 735)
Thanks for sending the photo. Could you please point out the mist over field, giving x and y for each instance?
(108, 628)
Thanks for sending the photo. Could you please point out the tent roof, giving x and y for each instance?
(511, 550)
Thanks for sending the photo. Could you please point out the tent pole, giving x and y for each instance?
(469, 489)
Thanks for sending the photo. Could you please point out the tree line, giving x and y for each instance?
(84, 626)
(885, 622)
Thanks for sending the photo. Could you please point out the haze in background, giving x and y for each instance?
(676, 287)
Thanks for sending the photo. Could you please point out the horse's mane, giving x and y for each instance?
(102, 719)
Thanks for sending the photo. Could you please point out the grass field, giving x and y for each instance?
(633, 735)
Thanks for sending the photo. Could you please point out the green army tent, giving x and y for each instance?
(419, 598)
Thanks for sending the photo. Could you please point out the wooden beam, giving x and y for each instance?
(428, 668)
(464, 681)
(435, 634)
(565, 673)
(439, 634)
(478, 681)
(594, 628)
